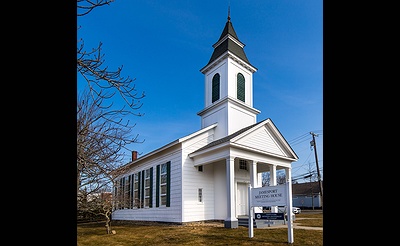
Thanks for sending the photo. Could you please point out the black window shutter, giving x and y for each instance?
(240, 87)
(142, 198)
(121, 193)
(115, 191)
(158, 186)
(168, 183)
(128, 192)
(151, 188)
(139, 189)
(132, 190)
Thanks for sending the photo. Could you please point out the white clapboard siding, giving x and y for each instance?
(162, 214)
(261, 139)
(193, 210)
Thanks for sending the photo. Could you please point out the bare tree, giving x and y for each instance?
(266, 178)
(280, 178)
(97, 205)
(312, 172)
(103, 82)
(104, 129)
(86, 6)
(99, 144)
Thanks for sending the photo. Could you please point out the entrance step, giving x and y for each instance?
(244, 221)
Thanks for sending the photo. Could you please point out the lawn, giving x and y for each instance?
(136, 233)
(313, 220)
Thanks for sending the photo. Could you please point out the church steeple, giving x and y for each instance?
(228, 41)
(228, 85)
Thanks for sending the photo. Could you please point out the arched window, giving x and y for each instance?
(240, 87)
(215, 87)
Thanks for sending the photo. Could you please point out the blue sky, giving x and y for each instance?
(164, 44)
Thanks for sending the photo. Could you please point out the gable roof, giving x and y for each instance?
(173, 143)
(273, 140)
(227, 138)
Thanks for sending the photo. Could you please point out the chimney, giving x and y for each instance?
(134, 155)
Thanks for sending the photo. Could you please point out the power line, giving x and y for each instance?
(300, 176)
(299, 139)
(302, 138)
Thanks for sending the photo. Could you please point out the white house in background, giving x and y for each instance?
(205, 175)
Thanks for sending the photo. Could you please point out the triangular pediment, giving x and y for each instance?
(262, 137)
(265, 138)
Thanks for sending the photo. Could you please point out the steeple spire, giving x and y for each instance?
(229, 12)
(228, 41)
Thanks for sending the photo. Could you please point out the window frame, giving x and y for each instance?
(148, 188)
(159, 195)
(200, 195)
(163, 184)
(215, 88)
(240, 87)
(136, 190)
(241, 163)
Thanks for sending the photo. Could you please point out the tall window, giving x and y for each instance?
(136, 198)
(240, 87)
(122, 193)
(215, 87)
(127, 195)
(148, 181)
(135, 191)
(116, 193)
(163, 184)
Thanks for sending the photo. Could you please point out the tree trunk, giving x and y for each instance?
(108, 225)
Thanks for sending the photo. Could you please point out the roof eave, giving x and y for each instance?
(213, 148)
(228, 54)
(171, 144)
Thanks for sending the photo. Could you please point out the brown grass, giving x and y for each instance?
(313, 220)
(137, 233)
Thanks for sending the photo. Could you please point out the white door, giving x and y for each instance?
(242, 206)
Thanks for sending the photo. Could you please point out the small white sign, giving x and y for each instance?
(269, 196)
(268, 222)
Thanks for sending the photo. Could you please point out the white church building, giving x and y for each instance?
(206, 174)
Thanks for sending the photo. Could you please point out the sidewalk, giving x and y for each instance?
(295, 226)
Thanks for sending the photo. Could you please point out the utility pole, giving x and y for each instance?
(311, 190)
(316, 162)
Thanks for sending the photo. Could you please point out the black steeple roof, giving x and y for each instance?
(228, 41)
(228, 29)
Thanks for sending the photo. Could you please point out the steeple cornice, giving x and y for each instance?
(231, 38)
(228, 54)
(230, 100)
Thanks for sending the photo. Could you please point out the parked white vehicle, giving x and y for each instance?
(282, 209)
(295, 210)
